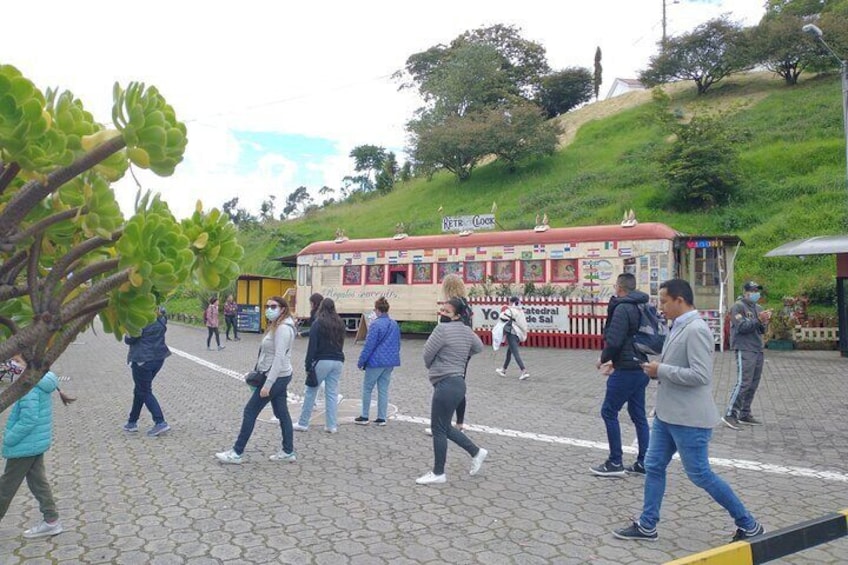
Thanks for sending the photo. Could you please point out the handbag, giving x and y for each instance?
(256, 378)
(311, 377)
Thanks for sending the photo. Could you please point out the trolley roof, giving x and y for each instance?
(512, 237)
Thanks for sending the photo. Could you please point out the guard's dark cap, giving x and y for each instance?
(751, 286)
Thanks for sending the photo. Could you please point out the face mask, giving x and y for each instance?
(754, 296)
(444, 318)
(272, 314)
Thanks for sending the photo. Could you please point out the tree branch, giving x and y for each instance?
(10, 269)
(8, 292)
(100, 288)
(25, 338)
(81, 277)
(9, 323)
(7, 175)
(70, 333)
(60, 269)
(34, 192)
(42, 225)
(32, 274)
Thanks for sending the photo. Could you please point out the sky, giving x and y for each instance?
(276, 94)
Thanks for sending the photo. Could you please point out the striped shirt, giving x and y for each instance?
(448, 349)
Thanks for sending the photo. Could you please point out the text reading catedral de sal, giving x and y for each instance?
(462, 223)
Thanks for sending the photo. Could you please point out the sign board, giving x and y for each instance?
(249, 318)
(539, 316)
(470, 223)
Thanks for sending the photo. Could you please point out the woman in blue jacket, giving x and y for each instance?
(29, 433)
(379, 357)
(146, 356)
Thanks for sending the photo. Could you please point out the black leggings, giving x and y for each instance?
(447, 394)
(213, 331)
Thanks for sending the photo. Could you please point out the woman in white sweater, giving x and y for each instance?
(275, 361)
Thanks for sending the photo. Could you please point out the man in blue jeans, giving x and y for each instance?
(685, 417)
(627, 382)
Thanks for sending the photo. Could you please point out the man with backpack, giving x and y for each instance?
(627, 382)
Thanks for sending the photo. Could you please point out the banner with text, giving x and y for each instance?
(539, 316)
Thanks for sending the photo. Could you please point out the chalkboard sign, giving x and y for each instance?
(249, 318)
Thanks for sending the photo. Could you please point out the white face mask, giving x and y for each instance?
(272, 314)
(754, 296)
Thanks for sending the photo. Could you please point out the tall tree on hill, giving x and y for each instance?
(597, 78)
(239, 216)
(368, 162)
(706, 55)
(266, 209)
(564, 90)
(300, 197)
(387, 175)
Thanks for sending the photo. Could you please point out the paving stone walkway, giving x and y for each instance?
(351, 497)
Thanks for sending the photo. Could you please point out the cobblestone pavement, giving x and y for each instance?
(351, 497)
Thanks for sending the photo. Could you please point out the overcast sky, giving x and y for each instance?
(275, 94)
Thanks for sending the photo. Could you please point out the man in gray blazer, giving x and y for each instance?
(685, 416)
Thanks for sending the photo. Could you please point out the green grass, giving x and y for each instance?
(792, 161)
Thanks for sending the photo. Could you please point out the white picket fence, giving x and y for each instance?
(815, 334)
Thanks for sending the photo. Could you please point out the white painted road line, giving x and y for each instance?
(741, 464)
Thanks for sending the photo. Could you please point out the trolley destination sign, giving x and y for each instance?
(468, 223)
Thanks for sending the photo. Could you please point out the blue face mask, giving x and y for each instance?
(754, 296)
(272, 314)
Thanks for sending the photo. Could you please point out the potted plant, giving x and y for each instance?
(781, 327)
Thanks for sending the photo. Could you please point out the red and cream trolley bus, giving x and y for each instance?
(572, 270)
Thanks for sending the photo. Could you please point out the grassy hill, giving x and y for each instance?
(792, 183)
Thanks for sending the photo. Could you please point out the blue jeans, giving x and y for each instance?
(278, 400)
(692, 444)
(625, 386)
(143, 376)
(328, 372)
(380, 376)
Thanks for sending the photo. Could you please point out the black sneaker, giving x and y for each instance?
(380, 422)
(609, 469)
(361, 421)
(731, 422)
(741, 534)
(636, 532)
(750, 420)
(636, 469)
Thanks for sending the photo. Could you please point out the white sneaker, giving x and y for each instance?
(229, 456)
(501, 372)
(298, 428)
(331, 430)
(428, 431)
(477, 461)
(44, 530)
(283, 456)
(431, 479)
(339, 399)
(524, 376)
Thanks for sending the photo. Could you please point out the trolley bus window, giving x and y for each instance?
(398, 274)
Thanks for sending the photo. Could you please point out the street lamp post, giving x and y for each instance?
(665, 21)
(816, 32)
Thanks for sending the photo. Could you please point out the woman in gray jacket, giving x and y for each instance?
(275, 361)
(445, 356)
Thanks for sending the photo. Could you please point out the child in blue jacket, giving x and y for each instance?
(29, 433)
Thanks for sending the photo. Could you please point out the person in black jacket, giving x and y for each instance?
(146, 356)
(314, 303)
(627, 382)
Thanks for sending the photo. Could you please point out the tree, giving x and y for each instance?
(564, 90)
(299, 197)
(705, 55)
(777, 44)
(523, 62)
(454, 143)
(521, 133)
(67, 254)
(406, 171)
(386, 178)
(597, 79)
(368, 161)
(266, 209)
(239, 216)
(701, 166)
